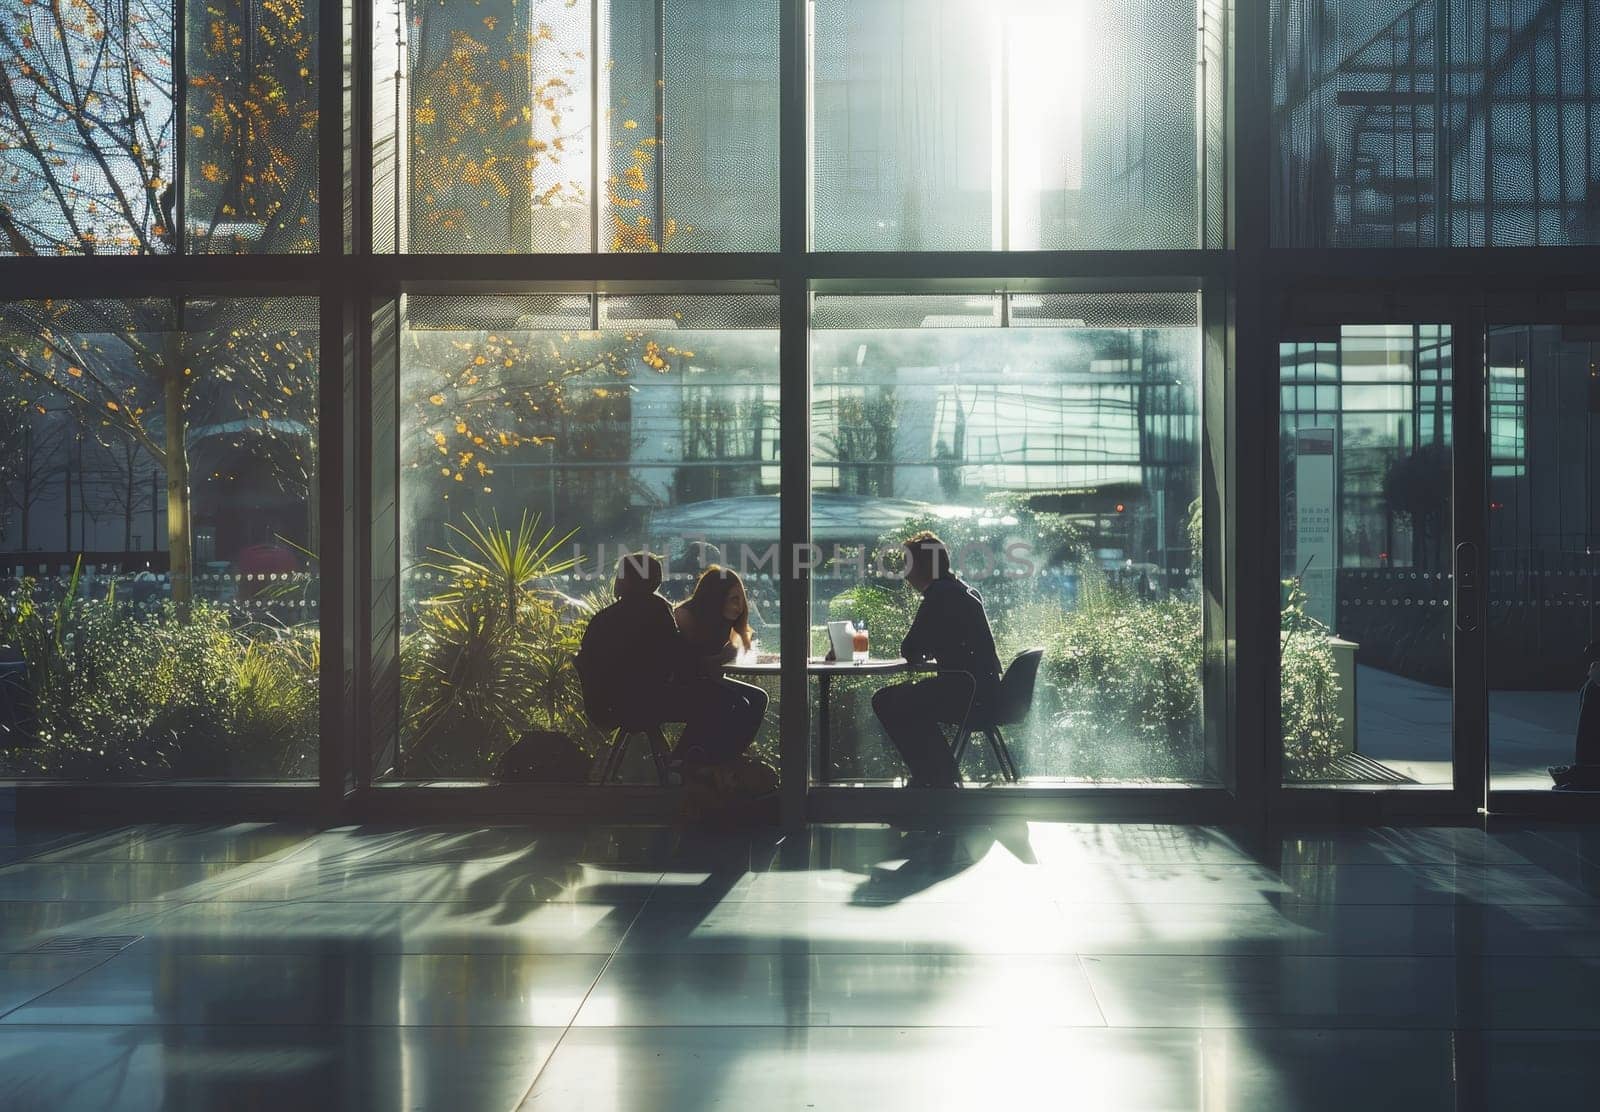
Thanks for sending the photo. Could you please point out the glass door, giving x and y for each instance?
(1543, 586)
(1379, 560)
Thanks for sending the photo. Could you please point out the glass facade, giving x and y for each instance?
(394, 352)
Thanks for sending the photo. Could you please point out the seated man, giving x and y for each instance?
(1583, 775)
(950, 631)
(631, 650)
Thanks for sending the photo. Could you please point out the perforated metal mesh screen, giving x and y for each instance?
(1375, 150)
(250, 182)
(63, 191)
(720, 146)
(1105, 310)
(434, 311)
(705, 311)
(967, 125)
(592, 125)
(500, 122)
(579, 312)
(830, 311)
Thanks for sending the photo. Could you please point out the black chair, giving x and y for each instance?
(611, 771)
(1012, 703)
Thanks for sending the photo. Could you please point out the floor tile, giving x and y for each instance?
(424, 927)
(1500, 885)
(799, 988)
(213, 1068)
(26, 977)
(1294, 991)
(768, 927)
(26, 924)
(492, 882)
(178, 844)
(147, 986)
(1536, 1068)
(108, 881)
(675, 1069)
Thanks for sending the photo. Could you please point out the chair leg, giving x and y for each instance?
(961, 746)
(658, 753)
(612, 769)
(1002, 753)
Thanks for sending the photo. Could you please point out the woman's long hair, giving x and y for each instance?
(704, 606)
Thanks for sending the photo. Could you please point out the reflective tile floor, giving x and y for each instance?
(1020, 966)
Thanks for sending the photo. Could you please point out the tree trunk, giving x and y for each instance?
(27, 480)
(178, 526)
(127, 507)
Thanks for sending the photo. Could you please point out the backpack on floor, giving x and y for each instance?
(543, 757)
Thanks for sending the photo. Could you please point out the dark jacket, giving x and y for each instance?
(1589, 724)
(952, 629)
(631, 649)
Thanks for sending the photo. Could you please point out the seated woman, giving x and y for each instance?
(715, 622)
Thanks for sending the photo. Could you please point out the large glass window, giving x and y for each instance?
(159, 549)
(1004, 124)
(605, 125)
(570, 429)
(1052, 442)
(1451, 123)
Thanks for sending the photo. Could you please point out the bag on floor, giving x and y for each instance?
(543, 757)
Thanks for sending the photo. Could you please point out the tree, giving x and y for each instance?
(88, 166)
(32, 440)
(500, 127)
(121, 470)
(1417, 485)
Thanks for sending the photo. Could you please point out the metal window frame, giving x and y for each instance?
(1243, 281)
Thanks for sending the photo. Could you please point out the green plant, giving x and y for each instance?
(121, 691)
(1126, 675)
(491, 654)
(1309, 689)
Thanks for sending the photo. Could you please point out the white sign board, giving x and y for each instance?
(1316, 546)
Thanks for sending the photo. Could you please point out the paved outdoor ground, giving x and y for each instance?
(1406, 725)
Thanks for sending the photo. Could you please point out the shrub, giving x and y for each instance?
(1309, 693)
(122, 691)
(491, 654)
(1126, 674)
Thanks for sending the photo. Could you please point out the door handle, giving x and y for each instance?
(1467, 587)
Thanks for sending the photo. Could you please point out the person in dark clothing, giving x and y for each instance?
(715, 623)
(1584, 773)
(950, 632)
(631, 651)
